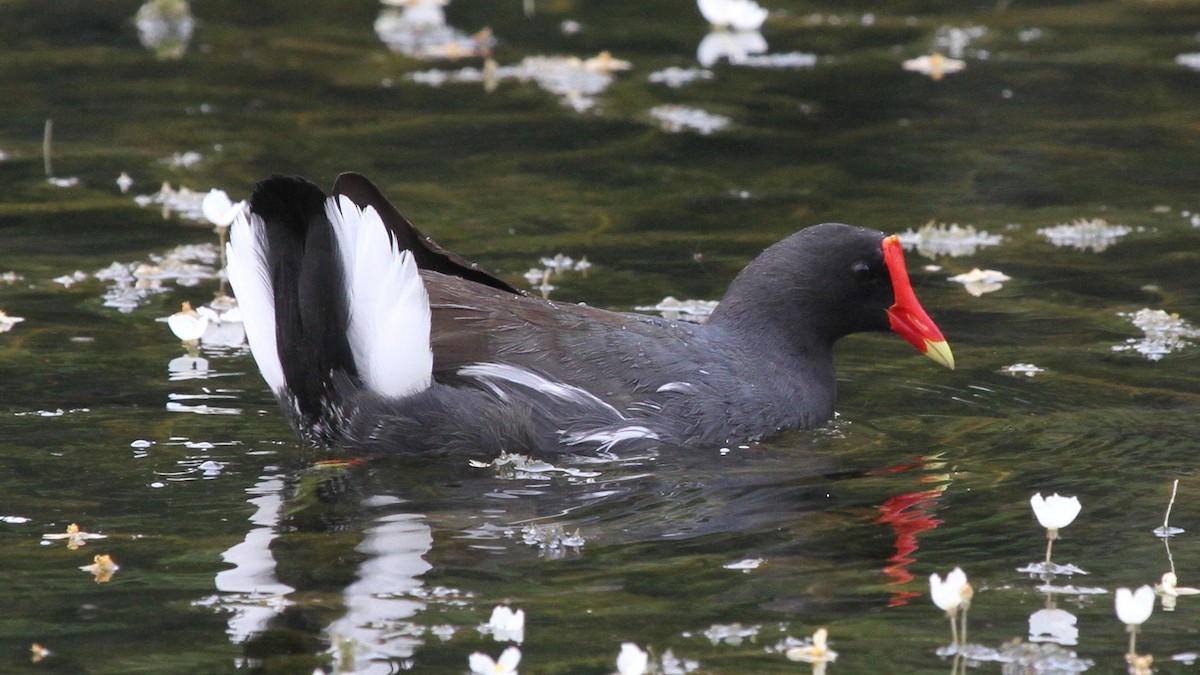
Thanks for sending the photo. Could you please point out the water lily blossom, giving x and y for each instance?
(1133, 608)
(1054, 512)
(951, 595)
(482, 664)
(75, 537)
(632, 660)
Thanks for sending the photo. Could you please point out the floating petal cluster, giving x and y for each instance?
(418, 29)
(1083, 234)
(935, 66)
(977, 281)
(575, 81)
(1164, 333)
(696, 311)
(677, 118)
(937, 239)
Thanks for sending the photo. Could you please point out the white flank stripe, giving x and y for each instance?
(681, 387)
(389, 308)
(251, 282)
(530, 379)
(607, 439)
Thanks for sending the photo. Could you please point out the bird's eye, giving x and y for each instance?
(862, 271)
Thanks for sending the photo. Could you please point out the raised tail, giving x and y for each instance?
(330, 305)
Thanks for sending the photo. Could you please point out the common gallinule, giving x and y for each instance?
(373, 337)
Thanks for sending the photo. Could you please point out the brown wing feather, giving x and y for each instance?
(425, 251)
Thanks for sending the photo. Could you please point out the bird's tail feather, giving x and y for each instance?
(329, 304)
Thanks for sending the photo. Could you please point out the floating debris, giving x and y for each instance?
(165, 27)
(956, 40)
(1026, 369)
(934, 65)
(785, 60)
(37, 653)
(418, 29)
(731, 634)
(184, 160)
(675, 77)
(102, 568)
(71, 181)
(977, 281)
(74, 536)
(551, 539)
(576, 81)
(747, 565)
(678, 118)
(124, 182)
(68, 280)
(7, 322)
(1191, 60)
(696, 311)
(521, 467)
(1164, 333)
(11, 278)
(188, 203)
(935, 239)
(1083, 234)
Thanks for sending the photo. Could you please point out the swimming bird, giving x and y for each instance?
(374, 338)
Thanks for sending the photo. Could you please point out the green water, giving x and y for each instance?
(395, 563)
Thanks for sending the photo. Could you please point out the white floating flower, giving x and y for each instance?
(632, 660)
(506, 625)
(949, 594)
(952, 595)
(735, 14)
(1055, 512)
(187, 324)
(977, 281)
(482, 664)
(219, 209)
(934, 65)
(124, 182)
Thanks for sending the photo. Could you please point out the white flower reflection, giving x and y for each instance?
(505, 625)
(1053, 625)
(977, 281)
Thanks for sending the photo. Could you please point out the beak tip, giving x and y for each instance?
(939, 351)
